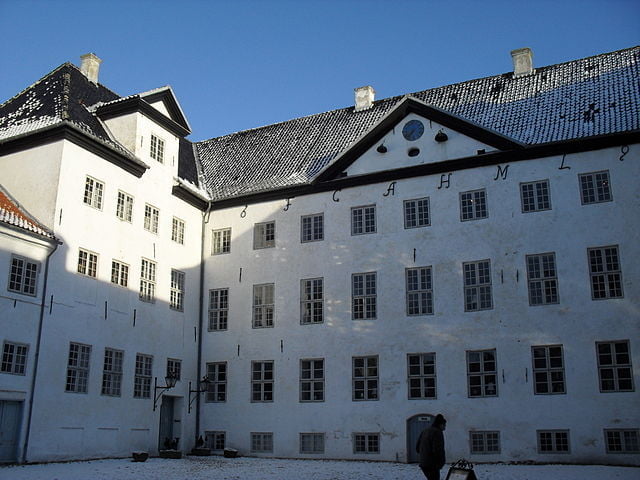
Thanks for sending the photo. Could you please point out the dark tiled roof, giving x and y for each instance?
(12, 214)
(593, 96)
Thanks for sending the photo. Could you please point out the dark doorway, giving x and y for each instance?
(415, 425)
(166, 421)
(10, 414)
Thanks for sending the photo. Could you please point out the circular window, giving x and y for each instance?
(413, 130)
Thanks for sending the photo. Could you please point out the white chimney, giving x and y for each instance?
(522, 62)
(90, 66)
(364, 97)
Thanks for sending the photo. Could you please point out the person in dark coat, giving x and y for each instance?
(430, 447)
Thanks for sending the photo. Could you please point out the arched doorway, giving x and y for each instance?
(415, 425)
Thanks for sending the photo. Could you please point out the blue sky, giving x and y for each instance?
(241, 64)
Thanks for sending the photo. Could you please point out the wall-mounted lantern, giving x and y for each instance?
(202, 387)
(170, 380)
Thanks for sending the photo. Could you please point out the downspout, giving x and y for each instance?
(37, 353)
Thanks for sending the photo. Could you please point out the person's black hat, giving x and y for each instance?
(439, 420)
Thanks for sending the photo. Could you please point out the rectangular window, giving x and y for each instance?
(614, 366)
(366, 443)
(421, 370)
(78, 368)
(264, 235)
(535, 196)
(220, 241)
(93, 192)
(595, 187)
(419, 291)
(14, 358)
(174, 368)
(177, 231)
(622, 440)
(365, 378)
(477, 286)
(473, 205)
(312, 380)
(215, 440)
(218, 309)
(416, 213)
(151, 218)
(482, 378)
(363, 220)
(87, 263)
(157, 148)
(217, 386)
(311, 301)
(312, 228)
(363, 296)
(542, 279)
(553, 441)
(263, 305)
(484, 442)
(312, 443)
(548, 370)
(119, 273)
(142, 379)
(262, 381)
(176, 295)
(605, 272)
(23, 276)
(147, 280)
(112, 372)
(261, 442)
(124, 206)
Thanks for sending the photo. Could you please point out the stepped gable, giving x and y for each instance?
(594, 96)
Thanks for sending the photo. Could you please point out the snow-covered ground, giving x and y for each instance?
(219, 468)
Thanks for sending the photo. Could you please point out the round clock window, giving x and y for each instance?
(413, 130)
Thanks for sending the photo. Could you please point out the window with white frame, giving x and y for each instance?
(365, 378)
(622, 440)
(535, 196)
(363, 296)
(176, 294)
(156, 150)
(312, 228)
(605, 272)
(218, 309)
(112, 372)
(261, 442)
(143, 374)
(177, 230)
(595, 187)
(87, 263)
(311, 301)
(416, 213)
(217, 386)
(312, 443)
(119, 273)
(78, 368)
(220, 241)
(312, 380)
(262, 381)
(614, 366)
(151, 218)
(14, 358)
(473, 205)
(548, 370)
(542, 279)
(124, 206)
(23, 276)
(363, 220)
(482, 373)
(174, 368)
(477, 286)
(419, 291)
(421, 370)
(147, 280)
(93, 192)
(366, 442)
(263, 305)
(215, 440)
(264, 235)
(484, 442)
(553, 441)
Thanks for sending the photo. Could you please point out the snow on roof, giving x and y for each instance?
(12, 214)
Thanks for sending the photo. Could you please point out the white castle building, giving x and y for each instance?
(339, 279)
